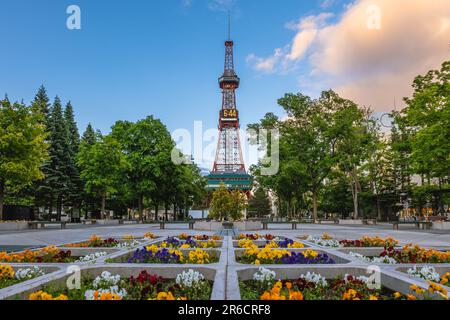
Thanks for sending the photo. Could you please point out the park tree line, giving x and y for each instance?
(337, 158)
(45, 163)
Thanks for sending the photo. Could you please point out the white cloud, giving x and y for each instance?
(220, 5)
(364, 56)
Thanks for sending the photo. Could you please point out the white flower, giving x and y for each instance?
(385, 259)
(29, 273)
(189, 279)
(264, 275)
(89, 294)
(324, 243)
(106, 280)
(426, 273)
(315, 278)
(128, 244)
(360, 278)
(91, 257)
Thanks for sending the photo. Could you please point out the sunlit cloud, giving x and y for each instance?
(371, 54)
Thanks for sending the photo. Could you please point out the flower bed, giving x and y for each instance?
(9, 276)
(153, 254)
(50, 254)
(429, 273)
(187, 285)
(313, 286)
(365, 242)
(286, 243)
(408, 254)
(97, 242)
(256, 236)
(268, 255)
(188, 242)
(199, 237)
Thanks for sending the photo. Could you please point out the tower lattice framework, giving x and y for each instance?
(229, 151)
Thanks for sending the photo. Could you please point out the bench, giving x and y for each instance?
(162, 224)
(370, 221)
(425, 225)
(89, 221)
(397, 223)
(335, 221)
(36, 224)
(265, 224)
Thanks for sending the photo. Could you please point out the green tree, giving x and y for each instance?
(220, 205)
(41, 188)
(22, 146)
(101, 166)
(57, 172)
(260, 203)
(148, 146)
(74, 195)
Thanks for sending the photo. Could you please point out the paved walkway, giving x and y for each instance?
(32, 238)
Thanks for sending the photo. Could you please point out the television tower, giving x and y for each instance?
(229, 167)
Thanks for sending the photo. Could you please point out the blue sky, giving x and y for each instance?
(135, 58)
(163, 57)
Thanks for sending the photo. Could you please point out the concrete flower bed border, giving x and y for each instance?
(227, 272)
(13, 225)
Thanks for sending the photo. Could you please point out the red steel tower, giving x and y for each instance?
(229, 167)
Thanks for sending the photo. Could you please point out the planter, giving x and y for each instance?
(350, 222)
(389, 279)
(440, 225)
(21, 292)
(216, 226)
(13, 226)
(227, 225)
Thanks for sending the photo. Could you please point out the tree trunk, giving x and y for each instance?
(140, 200)
(2, 197)
(378, 208)
(104, 205)
(355, 203)
(58, 208)
(156, 212)
(50, 206)
(314, 205)
(166, 213)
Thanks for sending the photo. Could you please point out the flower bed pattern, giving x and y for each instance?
(286, 243)
(312, 286)
(48, 255)
(188, 285)
(408, 254)
(9, 277)
(152, 254)
(188, 242)
(268, 255)
(365, 242)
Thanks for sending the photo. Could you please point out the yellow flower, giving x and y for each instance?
(41, 295)
(257, 262)
(106, 296)
(373, 298)
(6, 272)
(149, 235)
(397, 295)
(167, 296)
(310, 254)
(153, 248)
(350, 295)
(416, 289)
(296, 244)
(411, 297)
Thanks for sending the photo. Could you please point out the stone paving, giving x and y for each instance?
(227, 272)
(57, 236)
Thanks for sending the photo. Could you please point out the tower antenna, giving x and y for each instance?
(229, 25)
